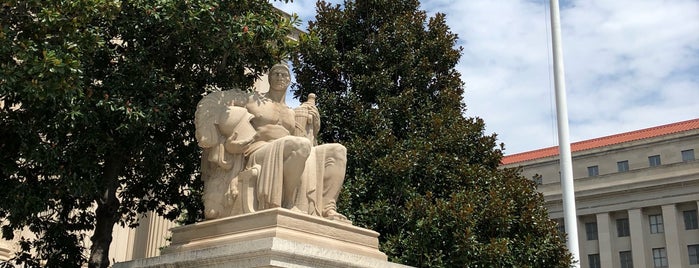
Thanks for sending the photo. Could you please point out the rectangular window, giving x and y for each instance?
(622, 166)
(688, 155)
(690, 220)
(622, 227)
(659, 258)
(538, 179)
(693, 254)
(656, 224)
(593, 259)
(591, 230)
(592, 171)
(561, 226)
(654, 160)
(625, 259)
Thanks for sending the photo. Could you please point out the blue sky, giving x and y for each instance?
(629, 64)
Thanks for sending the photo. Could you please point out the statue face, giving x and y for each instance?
(279, 79)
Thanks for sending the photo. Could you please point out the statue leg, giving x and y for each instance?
(335, 164)
(296, 151)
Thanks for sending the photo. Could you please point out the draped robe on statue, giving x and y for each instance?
(252, 135)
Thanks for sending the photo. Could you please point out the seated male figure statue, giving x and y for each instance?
(257, 140)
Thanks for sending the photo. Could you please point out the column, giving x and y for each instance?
(158, 231)
(140, 241)
(582, 240)
(636, 229)
(672, 241)
(605, 240)
(121, 248)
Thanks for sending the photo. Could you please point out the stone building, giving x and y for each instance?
(636, 195)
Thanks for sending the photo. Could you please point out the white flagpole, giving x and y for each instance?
(567, 188)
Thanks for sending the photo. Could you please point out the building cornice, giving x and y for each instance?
(642, 136)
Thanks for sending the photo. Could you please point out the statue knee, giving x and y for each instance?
(296, 146)
(338, 152)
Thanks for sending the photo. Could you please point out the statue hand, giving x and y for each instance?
(271, 132)
(313, 117)
(313, 113)
(235, 146)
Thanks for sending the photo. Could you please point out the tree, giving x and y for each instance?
(420, 173)
(98, 101)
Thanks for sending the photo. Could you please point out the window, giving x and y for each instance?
(625, 259)
(622, 227)
(623, 166)
(693, 254)
(561, 226)
(591, 230)
(690, 220)
(688, 155)
(538, 179)
(659, 258)
(654, 160)
(656, 224)
(593, 259)
(592, 171)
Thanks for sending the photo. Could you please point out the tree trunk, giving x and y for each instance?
(106, 214)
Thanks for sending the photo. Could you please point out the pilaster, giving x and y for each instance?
(604, 240)
(672, 241)
(638, 246)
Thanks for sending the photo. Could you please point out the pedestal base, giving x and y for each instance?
(269, 238)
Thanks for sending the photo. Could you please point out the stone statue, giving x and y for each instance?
(258, 153)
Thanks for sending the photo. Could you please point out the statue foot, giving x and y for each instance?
(211, 214)
(334, 216)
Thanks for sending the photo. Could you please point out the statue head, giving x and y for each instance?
(279, 77)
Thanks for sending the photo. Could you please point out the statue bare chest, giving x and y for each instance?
(271, 113)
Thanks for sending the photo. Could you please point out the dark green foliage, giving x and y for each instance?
(419, 172)
(98, 107)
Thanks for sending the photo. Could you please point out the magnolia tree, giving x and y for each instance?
(419, 172)
(97, 101)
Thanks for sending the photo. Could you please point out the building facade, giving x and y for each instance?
(636, 195)
(144, 241)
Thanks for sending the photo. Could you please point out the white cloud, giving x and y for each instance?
(629, 64)
(626, 60)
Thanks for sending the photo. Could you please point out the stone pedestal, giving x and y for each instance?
(269, 238)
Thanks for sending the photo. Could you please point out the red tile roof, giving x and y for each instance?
(605, 141)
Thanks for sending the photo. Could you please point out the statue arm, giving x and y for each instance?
(313, 120)
(316, 121)
(307, 121)
(239, 132)
(314, 114)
